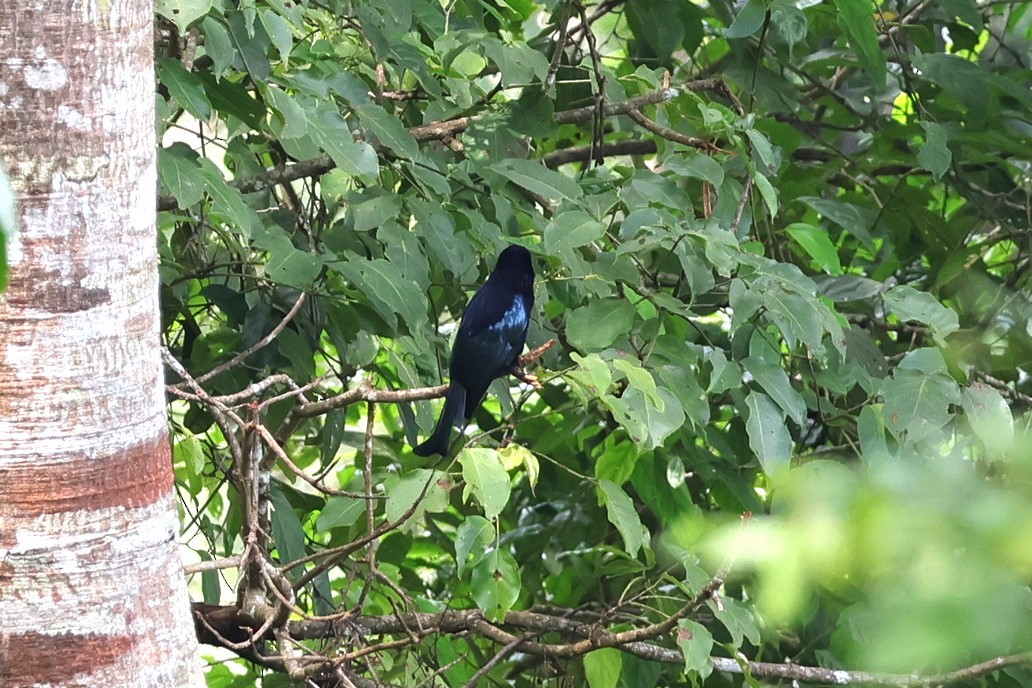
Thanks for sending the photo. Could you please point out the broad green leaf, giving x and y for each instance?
(768, 434)
(514, 456)
(287, 532)
(332, 134)
(621, 513)
(917, 404)
(602, 667)
(748, 21)
(472, 539)
(496, 584)
(662, 419)
(279, 33)
(639, 378)
(846, 288)
(518, 63)
(653, 23)
(796, 316)
(389, 130)
(486, 479)
(390, 293)
(227, 202)
(856, 19)
(703, 167)
(184, 87)
(340, 512)
(425, 488)
(909, 304)
(180, 174)
(817, 245)
(934, 155)
(767, 192)
(595, 326)
(855, 219)
(696, 644)
(989, 416)
(537, 178)
(737, 619)
(763, 150)
(284, 263)
(182, 13)
(571, 230)
(593, 374)
(871, 433)
(294, 120)
(774, 381)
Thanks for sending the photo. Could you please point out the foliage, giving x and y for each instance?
(784, 249)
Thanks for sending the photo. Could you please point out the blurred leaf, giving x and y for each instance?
(182, 12)
(602, 667)
(187, 89)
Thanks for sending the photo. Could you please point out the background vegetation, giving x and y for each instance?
(784, 249)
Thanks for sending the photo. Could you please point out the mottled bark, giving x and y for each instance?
(91, 589)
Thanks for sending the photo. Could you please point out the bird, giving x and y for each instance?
(488, 344)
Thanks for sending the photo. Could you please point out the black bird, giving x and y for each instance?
(488, 343)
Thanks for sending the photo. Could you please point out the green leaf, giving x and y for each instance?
(287, 532)
(389, 130)
(653, 22)
(909, 304)
(767, 192)
(595, 326)
(331, 133)
(571, 230)
(496, 584)
(768, 434)
(855, 219)
(776, 384)
(696, 644)
(182, 13)
(390, 294)
(472, 539)
(227, 202)
(917, 405)
(989, 416)
(340, 512)
(703, 167)
(294, 119)
(427, 488)
(934, 155)
(184, 87)
(621, 513)
(284, 263)
(602, 667)
(737, 619)
(279, 33)
(180, 174)
(817, 245)
(856, 19)
(640, 379)
(486, 479)
(538, 179)
(593, 374)
(749, 20)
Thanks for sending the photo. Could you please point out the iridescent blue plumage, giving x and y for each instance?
(488, 343)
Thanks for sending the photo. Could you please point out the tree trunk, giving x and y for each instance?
(91, 587)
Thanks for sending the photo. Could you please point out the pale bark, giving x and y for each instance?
(91, 589)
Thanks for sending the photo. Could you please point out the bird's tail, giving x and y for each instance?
(438, 442)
